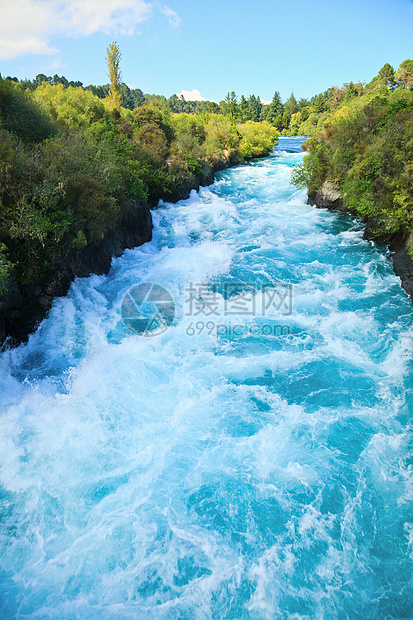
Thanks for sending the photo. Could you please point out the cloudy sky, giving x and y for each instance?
(208, 47)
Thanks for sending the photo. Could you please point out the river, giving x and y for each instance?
(239, 445)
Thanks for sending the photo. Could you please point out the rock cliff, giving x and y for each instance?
(329, 197)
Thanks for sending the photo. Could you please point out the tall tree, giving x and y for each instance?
(229, 105)
(275, 108)
(404, 74)
(320, 104)
(254, 105)
(113, 58)
(243, 109)
(386, 76)
(351, 91)
(303, 103)
(291, 105)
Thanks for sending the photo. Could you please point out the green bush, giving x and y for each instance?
(64, 186)
(5, 268)
(21, 115)
(366, 148)
(259, 138)
(74, 107)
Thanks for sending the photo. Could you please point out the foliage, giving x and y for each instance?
(20, 115)
(387, 76)
(404, 74)
(5, 268)
(72, 157)
(74, 107)
(258, 139)
(365, 147)
(113, 63)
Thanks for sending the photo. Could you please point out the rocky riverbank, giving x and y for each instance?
(25, 305)
(329, 197)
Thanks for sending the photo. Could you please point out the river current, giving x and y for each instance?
(251, 460)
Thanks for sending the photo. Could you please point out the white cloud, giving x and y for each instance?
(192, 95)
(266, 102)
(55, 64)
(26, 26)
(173, 18)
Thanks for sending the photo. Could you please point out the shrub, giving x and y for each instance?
(20, 114)
(75, 107)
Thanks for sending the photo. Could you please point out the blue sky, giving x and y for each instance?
(213, 46)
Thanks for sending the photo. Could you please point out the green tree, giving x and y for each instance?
(76, 107)
(230, 104)
(291, 105)
(255, 106)
(351, 91)
(243, 108)
(387, 77)
(303, 103)
(404, 74)
(320, 104)
(20, 114)
(113, 63)
(275, 108)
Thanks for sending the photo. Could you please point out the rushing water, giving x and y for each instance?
(202, 473)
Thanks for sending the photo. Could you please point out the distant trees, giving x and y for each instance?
(275, 108)
(319, 104)
(254, 108)
(243, 109)
(287, 116)
(229, 105)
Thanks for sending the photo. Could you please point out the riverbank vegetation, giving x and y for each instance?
(72, 156)
(363, 145)
(70, 160)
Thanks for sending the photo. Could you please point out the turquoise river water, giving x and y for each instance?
(252, 460)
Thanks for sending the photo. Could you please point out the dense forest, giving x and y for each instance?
(362, 144)
(71, 158)
(241, 109)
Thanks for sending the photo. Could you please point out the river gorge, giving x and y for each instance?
(249, 457)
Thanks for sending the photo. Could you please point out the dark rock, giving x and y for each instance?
(183, 187)
(24, 306)
(312, 199)
(329, 198)
(403, 265)
(372, 232)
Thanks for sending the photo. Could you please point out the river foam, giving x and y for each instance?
(207, 473)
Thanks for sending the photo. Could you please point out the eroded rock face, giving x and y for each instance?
(24, 306)
(329, 197)
(400, 243)
(403, 264)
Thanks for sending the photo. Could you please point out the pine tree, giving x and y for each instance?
(244, 109)
(275, 108)
(404, 74)
(387, 77)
